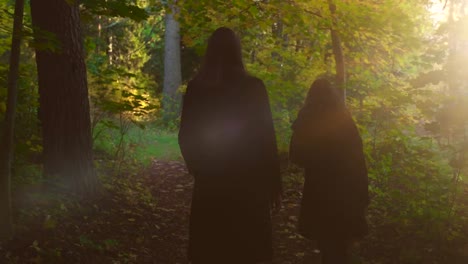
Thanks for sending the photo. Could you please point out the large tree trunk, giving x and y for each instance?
(6, 154)
(337, 51)
(63, 92)
(172, 67)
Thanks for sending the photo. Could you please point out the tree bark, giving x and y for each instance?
(63, 92)
(172, 65)
(6, 156)
(337, 51)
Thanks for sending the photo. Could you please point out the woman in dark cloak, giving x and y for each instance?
(228, 142)
(326, 142)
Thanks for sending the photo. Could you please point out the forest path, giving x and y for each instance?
(143, 218)
(171, 185)
(138, 218)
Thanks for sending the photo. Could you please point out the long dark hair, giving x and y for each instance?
(223, 57)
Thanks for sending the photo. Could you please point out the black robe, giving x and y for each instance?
(228, 142)
(335, 195)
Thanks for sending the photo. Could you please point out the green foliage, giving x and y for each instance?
(116, 8)
(122, 95)
(27, 139)
(406, 87)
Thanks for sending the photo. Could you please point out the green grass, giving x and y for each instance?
(155, 143)
(140, 145)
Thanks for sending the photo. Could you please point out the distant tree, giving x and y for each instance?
(337, 51)
(172, 65)
(63, 91)
(6, 154)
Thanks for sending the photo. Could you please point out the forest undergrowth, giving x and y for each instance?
(143, 218)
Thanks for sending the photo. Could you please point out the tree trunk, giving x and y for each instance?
(337, 51)
(110, 43)
(6, 156)
(63, 92)
(172, 67)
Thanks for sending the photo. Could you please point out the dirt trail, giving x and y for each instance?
(172, 187)
(143, 218)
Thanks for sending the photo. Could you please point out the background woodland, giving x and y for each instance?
(90, 99)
